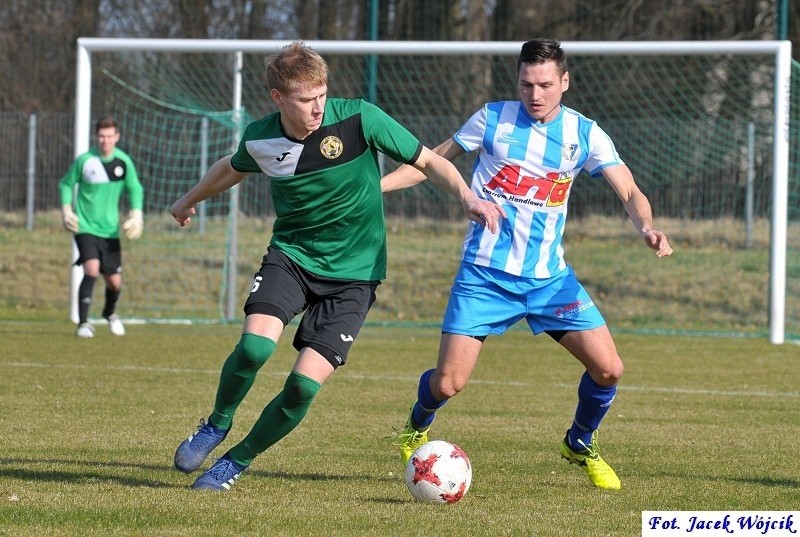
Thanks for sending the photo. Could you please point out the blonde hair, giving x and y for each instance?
(296, 65)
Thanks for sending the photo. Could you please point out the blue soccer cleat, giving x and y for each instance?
(221, 476)
(193, 451)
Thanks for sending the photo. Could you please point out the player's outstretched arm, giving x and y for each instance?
(638, 208)
(407, 176)
(403, 177)
(446, 177)
(220, 177)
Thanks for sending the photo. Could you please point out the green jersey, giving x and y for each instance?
(100, 183)
(326, 189)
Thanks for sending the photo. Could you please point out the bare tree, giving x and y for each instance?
(37, 59)
(193, 18)
(38, 37)
(254, 27)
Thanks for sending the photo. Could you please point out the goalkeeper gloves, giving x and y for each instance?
(134, 225)
(69, 219)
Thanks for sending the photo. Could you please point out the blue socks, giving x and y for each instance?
(593, 403)
(424, 410)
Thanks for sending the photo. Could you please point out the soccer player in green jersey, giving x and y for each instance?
(93, 185)
(327, 253)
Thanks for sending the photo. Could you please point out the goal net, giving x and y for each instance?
(703, 126)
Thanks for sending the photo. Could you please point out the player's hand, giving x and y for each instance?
(181, 213)
(484, 212)
(69, 219)
(656, 240)
(134, 225)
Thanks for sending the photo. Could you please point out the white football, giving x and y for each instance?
(438, 472)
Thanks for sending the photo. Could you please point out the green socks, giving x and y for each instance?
(238, 375)
(278, 419)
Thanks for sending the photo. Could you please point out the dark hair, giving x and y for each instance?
(542, 50)
(106, 123)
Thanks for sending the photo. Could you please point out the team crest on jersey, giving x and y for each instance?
(570, 152)
(331, 147)
(118, 171)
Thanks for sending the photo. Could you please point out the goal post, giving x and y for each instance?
(485, 77)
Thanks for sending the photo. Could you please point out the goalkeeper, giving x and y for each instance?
(90, 193)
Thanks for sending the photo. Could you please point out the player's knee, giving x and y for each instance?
(615, 374)
(299, 390)
(446, 386)
(609, 374)
(255, 350)
(114, 286)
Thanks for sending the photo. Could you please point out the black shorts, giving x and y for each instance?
(334, 309)
(108, 251)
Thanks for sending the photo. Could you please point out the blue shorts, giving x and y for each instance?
(487, 301)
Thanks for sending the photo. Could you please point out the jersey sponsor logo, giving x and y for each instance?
(511, 185)
(570, 152)
(507, 138)
(331, 147)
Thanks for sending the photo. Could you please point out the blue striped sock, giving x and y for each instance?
(593, 404)
(424, 410)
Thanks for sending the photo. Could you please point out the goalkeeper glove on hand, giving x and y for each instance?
(69, 219)
(134, 225)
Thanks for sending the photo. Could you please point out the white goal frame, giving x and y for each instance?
(780, 50)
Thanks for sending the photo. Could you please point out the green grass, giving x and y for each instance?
(711, 284)
(90, 428)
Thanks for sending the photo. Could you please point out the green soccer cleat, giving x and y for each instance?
(409, 440)
(599, 472)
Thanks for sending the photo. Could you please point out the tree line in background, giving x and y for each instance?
(38, 37)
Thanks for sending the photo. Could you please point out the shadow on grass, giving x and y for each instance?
(768, 481)
(18, 469)
(317, 477)
(78, 477)
(763, 480)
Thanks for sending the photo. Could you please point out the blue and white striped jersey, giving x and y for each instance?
(529, 169)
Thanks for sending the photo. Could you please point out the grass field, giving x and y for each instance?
(712, 283)
(90, 428)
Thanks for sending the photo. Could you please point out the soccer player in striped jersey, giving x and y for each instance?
(327, 254)
(529, 155)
